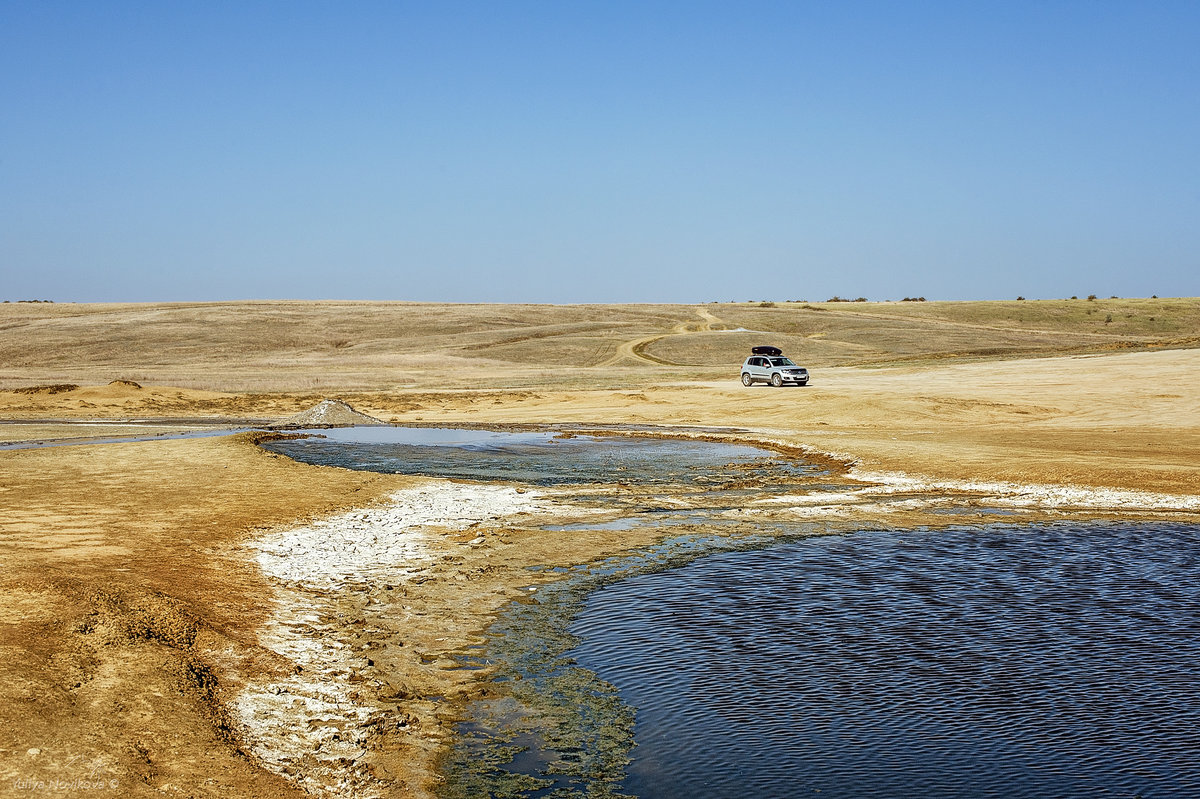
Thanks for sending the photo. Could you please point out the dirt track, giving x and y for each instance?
(132, 609)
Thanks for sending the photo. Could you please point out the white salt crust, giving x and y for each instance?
(312, 725)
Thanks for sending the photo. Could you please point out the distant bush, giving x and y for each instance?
(1091, 297)
(861, 299)
(913, 299)
(766, 304)
(836, 298)
(1074, 297)
(1020, 299)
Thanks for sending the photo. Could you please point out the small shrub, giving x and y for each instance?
(1020, 299)
(861, 299)
(1108, 319)
(836, 298)
(1092, 297)
(766, 304)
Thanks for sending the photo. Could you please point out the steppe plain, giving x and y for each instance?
(133, 611)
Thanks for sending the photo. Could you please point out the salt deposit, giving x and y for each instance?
(1038, 495)
(876, 497)
(366, 544)
(312, 725)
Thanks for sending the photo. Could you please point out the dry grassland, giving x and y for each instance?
(340, 346)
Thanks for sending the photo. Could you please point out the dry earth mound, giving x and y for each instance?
(329, 413)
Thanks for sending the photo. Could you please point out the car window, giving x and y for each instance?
(782, 362)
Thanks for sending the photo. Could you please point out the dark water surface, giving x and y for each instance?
(1007, 662)
(540, 458)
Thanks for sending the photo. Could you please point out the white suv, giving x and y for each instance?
(772, 368)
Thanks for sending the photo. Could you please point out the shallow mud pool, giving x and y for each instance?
(537, 458)
(744, 655)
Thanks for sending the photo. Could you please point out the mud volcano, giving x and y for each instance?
(328, 413)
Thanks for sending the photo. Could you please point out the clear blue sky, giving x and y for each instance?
(598, 151)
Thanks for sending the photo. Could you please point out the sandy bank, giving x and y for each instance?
(130, 611)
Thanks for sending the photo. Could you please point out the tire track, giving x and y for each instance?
(636, 350)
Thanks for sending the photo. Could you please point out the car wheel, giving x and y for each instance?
(746, 379)
(776, 380)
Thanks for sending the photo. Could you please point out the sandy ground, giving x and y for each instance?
(200, 617)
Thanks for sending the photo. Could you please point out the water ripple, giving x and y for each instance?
(998, 662)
